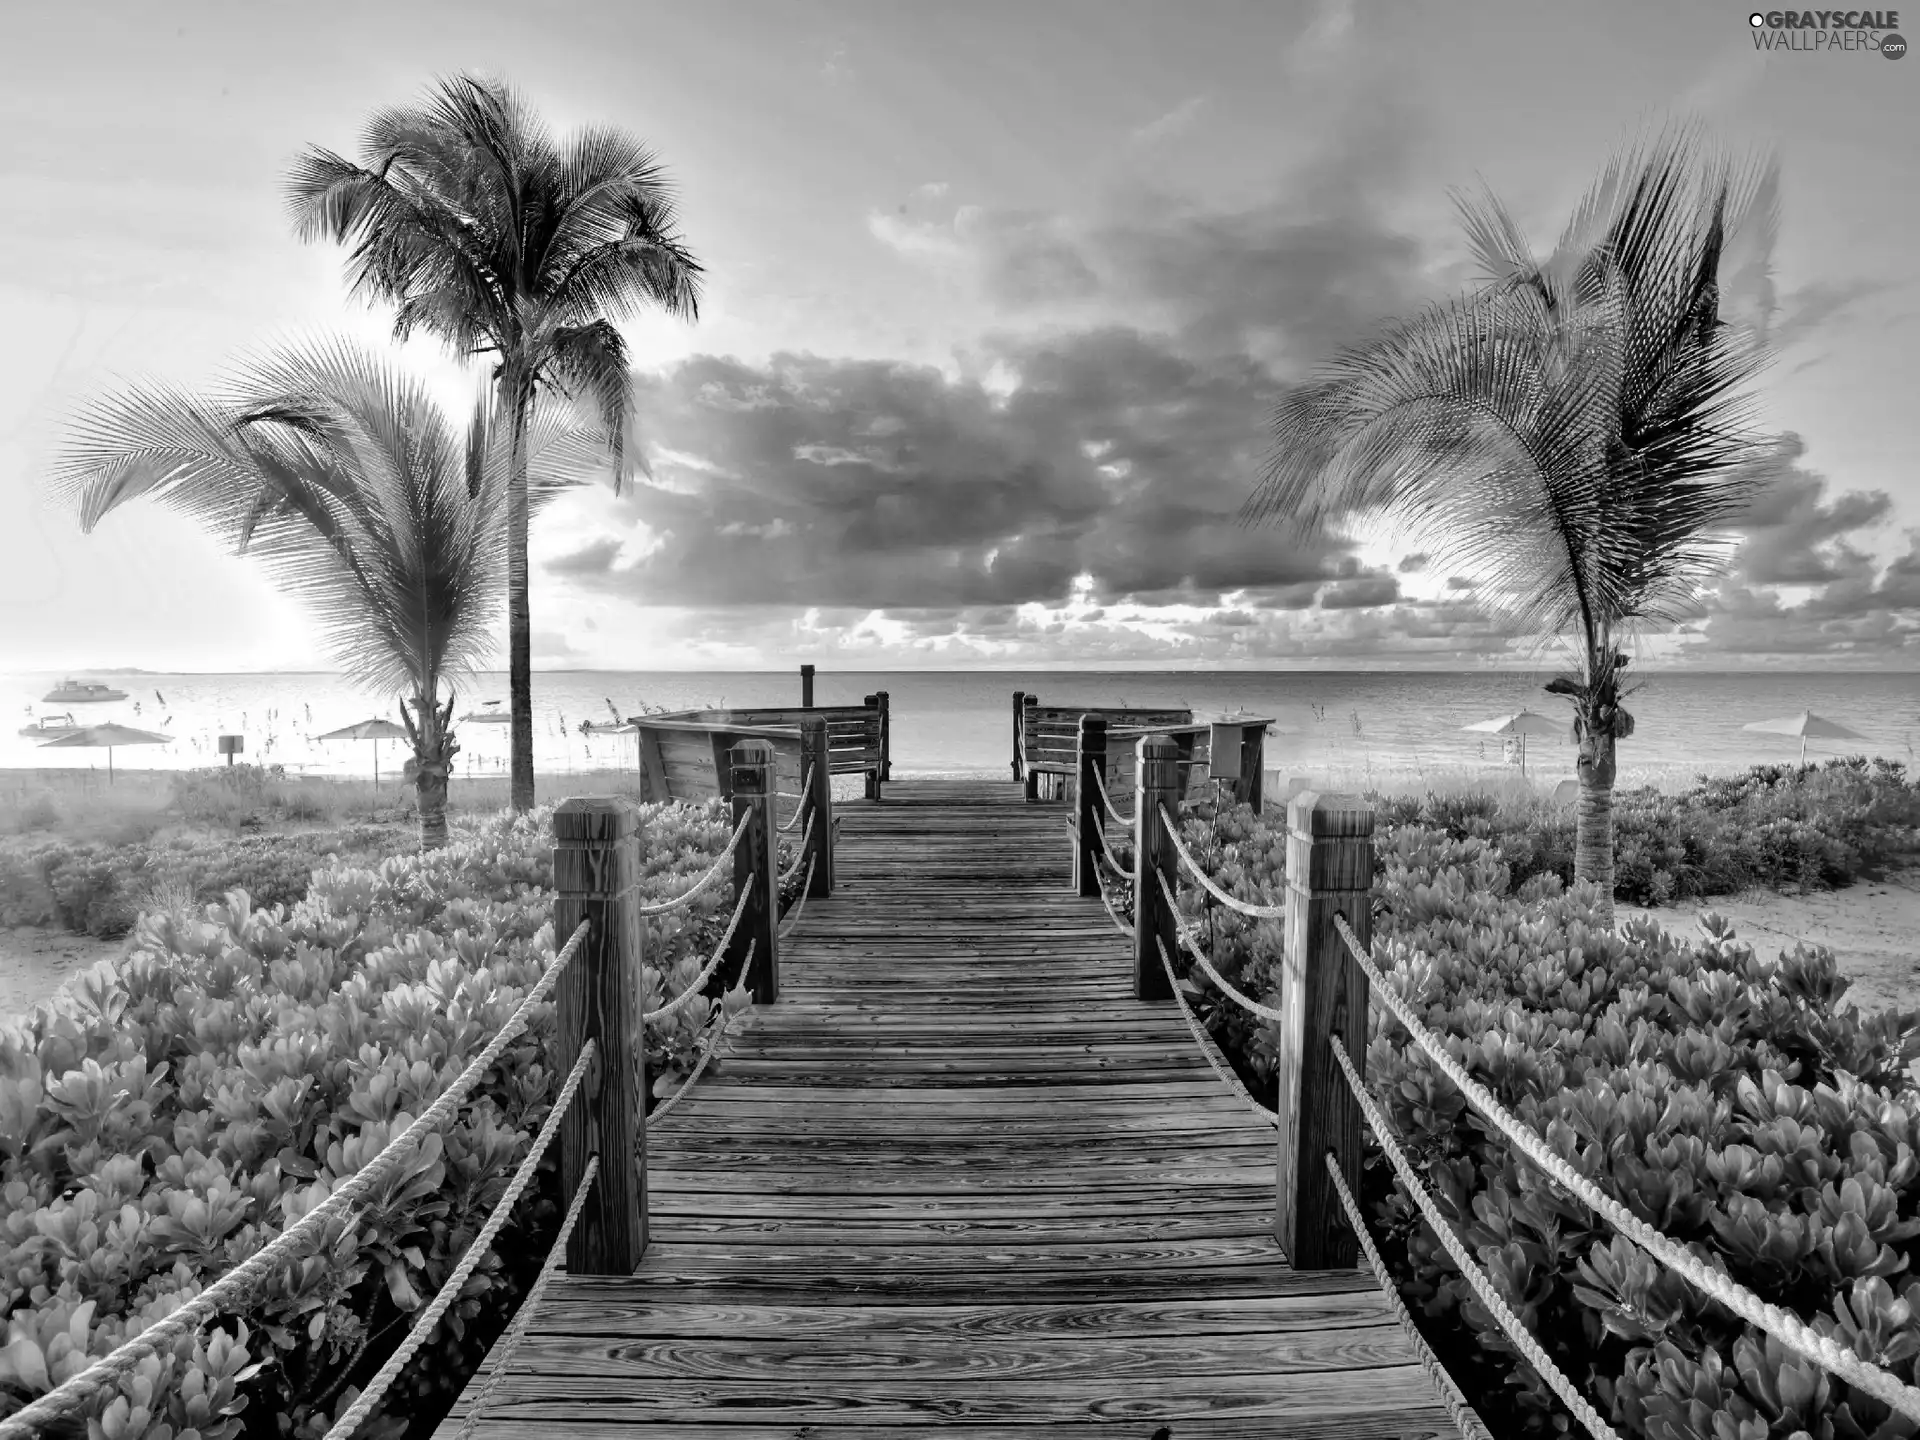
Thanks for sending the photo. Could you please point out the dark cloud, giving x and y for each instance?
(1357, 593)
(1412, 564)
(1795, 534)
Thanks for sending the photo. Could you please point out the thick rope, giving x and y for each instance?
(502, 1353)
(1517, 1333)
(800, 904)
(806, 790)
(702, 883)
(692, 992)
(806, 848)
(232, 1289)
(1200, 959)
(1100, 784)
(1205, 1042)
(713, 1043)
(1112, 914)
(417, 1334)
(1465, 1418)
(1788, 1329)
(1100, 833)
(1258, 912)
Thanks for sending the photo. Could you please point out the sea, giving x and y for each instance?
(1345, 725)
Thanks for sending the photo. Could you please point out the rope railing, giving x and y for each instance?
(713, 873)
(502, 1353)
(806, 850)
(714, 1037)
(1100, 785)
(1199, 958)
(1788, 1329)
(1517, 1333)
(1257, 912)
(1465, 1418)
(800, 904)
(692, 992)
(364, 1403)
(1100, 834)
(1101, 863)
(806, 791)
(236, 1286)
(1205, 1042)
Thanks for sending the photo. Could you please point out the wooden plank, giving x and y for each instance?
(957, 1180)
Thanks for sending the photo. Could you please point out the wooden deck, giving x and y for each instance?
(957, 1182)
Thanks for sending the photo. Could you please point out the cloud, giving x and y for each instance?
(1804, 311)
(1412, 564)
(1794, 534)
(1176, 120)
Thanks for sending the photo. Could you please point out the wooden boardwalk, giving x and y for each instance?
(957, 1182)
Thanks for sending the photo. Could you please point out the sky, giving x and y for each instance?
(1000, 298)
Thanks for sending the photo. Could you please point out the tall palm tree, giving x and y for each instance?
(483, 230)
(1574, 433)
(345, 478)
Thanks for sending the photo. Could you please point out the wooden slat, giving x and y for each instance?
(958, 1182)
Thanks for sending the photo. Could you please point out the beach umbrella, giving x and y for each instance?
(374, 730)
(1521, 724)
(96, 737)
(1806, 725)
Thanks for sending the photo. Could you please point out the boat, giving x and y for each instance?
(492, 715)
(50, 727)
(81, 692)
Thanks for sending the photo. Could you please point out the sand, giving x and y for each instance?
(1872, 927)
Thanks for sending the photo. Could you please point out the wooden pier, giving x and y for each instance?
(957, 1181)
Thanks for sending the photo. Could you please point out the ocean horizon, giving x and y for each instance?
(958, 722)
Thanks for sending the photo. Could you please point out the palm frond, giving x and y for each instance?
(1575, 433)
(345, 481)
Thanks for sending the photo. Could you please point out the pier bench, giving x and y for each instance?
(1046, 745)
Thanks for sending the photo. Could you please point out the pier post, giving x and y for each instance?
(755, 868)
(1092, 762)
(1322, 993)
(1019, 708)
(872, 702)
(814, 755)
(886, 736)
(1022, 729)
(1156, 783)
(597, 997)
(806, 687)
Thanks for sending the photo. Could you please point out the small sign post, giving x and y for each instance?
(232, 745)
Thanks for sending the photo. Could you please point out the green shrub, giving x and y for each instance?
(1810, 827)
(1726, 1100)
(168, 1114)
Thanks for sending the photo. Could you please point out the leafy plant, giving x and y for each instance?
(168, 1114)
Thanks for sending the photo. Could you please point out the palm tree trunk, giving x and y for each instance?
(1593, 835)
(519, 612)
(431, 767)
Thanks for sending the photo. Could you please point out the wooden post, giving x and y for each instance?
(813, 758)
(1322, 993)
(806, 687)
(1019, 709)
(756, 867)
(1092, 761)
(1157, 783)
(596, 857)
(886, 736)
(872, 702)
(1253, 760)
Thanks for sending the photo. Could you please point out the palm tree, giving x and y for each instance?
(1573, 433)
(482, 230)
(347, 480)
